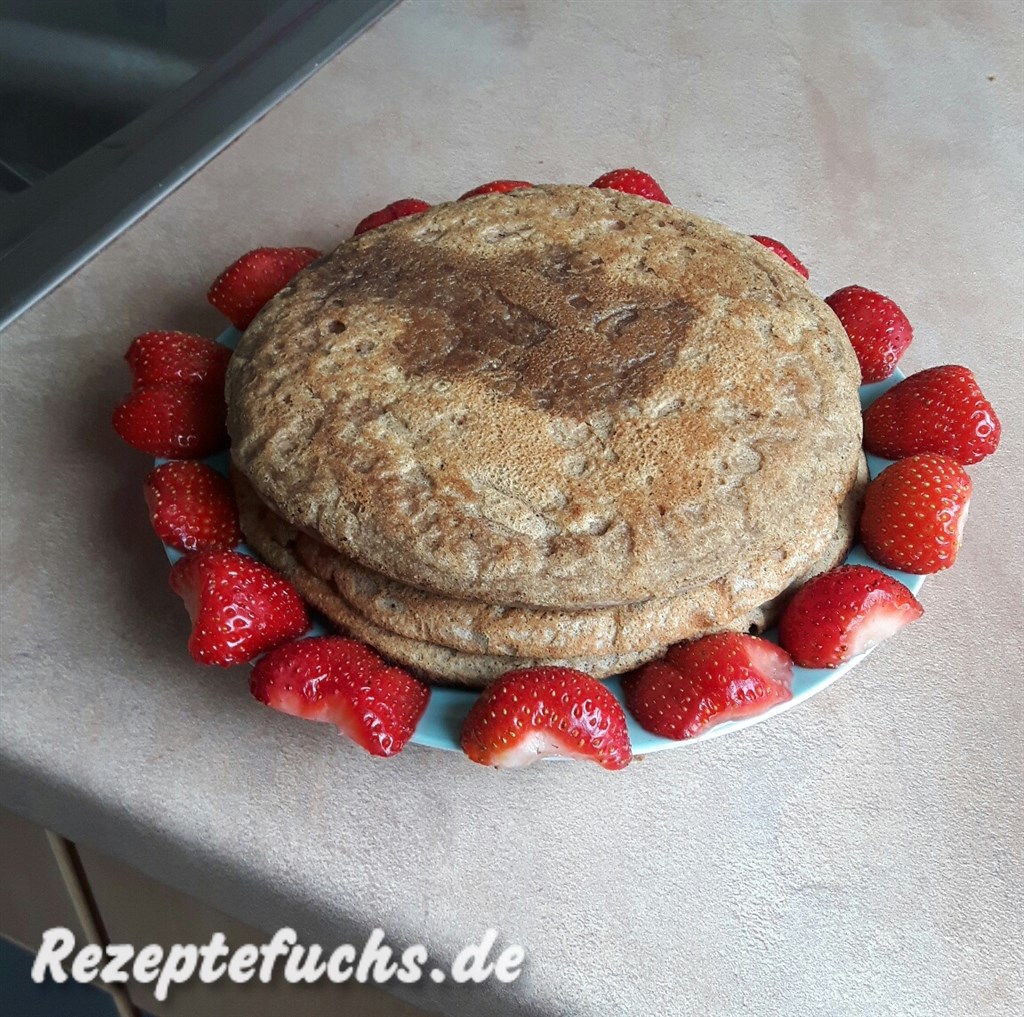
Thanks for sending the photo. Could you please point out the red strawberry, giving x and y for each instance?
(496, 187)
(179, 421)
(239, 608)
(167, 357)
(241, 290)
(879, 331)
(843, 613)
(784, 253)
(344, 683)
(724, 676)
(938, 410)
(389, 213)
(632, 181)
(546, 711)
(914, 514)
(192, 507)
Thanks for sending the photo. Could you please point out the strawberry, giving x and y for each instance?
(179, 421)
(784, 253)
(843, 613)
(166, 357)
(725, 676)
(241, 290)
(496, 187)
(546, 711)
(192, 507)
(879, 331)
(389, 213)
(345, 683)
(914, 514)
(239, 608)
(632, 181)
(939, 410)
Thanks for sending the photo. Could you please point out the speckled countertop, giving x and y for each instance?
(858, 855)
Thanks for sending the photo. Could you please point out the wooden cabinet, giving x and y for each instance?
(132, 908)
(33, 894)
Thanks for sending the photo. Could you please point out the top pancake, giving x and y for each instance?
(559, 396)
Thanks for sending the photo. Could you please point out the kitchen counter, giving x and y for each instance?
(861, 854)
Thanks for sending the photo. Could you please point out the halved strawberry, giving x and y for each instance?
(496, 187)
(241, 290)
(339, 681)
(389, 213)
(914, 514)
(173, 420)
(632, 181)
(239, 608)
(720, 677)
(546, 711)
(879, 331)
(939, 410)
(843, 613)
(169, 357)
(783, 252)
(192, 507)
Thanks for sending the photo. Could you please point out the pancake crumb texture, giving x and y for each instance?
(470, 643)
(558, 396)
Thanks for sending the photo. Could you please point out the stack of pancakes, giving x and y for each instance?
(555, 426)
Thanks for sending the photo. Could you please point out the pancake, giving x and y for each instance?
(277, 541)
(558, 397)
(274, 541)
(476, 627)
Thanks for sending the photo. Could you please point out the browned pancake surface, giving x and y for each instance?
(478, 628)
(559, 396)
(483, 648)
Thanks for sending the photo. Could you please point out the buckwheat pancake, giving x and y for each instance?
(557, 397)
(515, 630)
(274, 539)
(474, 662)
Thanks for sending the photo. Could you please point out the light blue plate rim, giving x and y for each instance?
(441, 723)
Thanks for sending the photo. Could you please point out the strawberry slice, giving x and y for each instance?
(632, 181)
(239, 608)
(914, 514)
(192, 507)
(725, 676)
(177, 357)
(939, 410)
(242, 289)
(879, 331)
(389, 213)
(546, 711)
(496, 187)
(784, 253)
(339, 681)
(173, 420)
(843, 613)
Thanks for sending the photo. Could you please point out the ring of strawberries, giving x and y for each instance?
(932, 424)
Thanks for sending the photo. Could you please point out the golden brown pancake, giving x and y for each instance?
(513, 630)
(557, 397)
(275, 541)
(280, 544)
